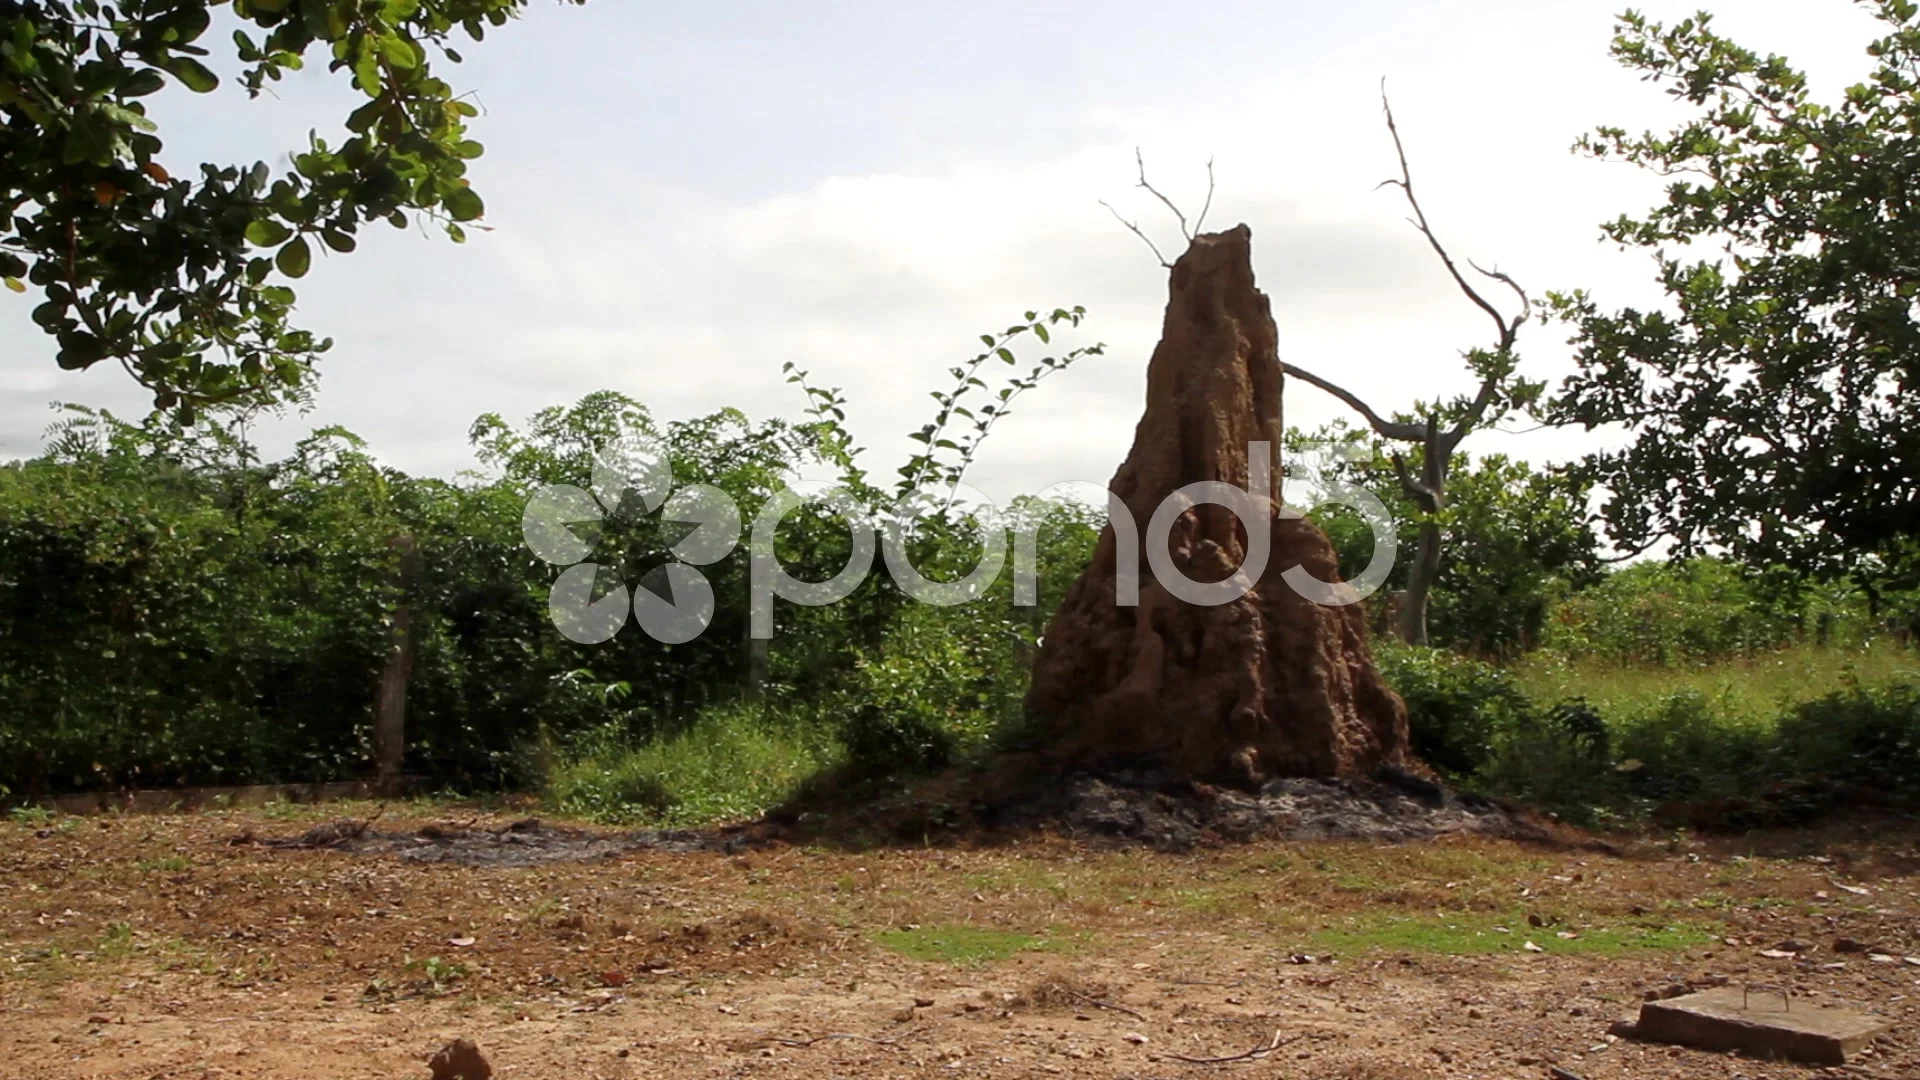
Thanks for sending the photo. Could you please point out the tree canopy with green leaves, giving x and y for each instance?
(1771, 404)
(181, 279)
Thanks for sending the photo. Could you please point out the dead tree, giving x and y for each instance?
(1438, 428)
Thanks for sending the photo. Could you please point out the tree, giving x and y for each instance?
(181, 279)
(1436, 429)
(1772, 403)
(1516, 539)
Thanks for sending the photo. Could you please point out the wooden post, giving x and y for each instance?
(390, 701)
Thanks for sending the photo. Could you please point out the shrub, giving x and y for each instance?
(1701, 609)
(730, 763)
(1458, 708)
(1867, 736)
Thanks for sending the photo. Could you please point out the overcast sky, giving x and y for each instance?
(682, 197)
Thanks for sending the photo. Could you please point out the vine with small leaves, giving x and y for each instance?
(948, 453)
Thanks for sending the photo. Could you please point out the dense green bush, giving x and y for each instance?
(174, 610)
(1470, 720)
(1459, 708)
(1514, 541)
(1700, 609)
(1868, 735)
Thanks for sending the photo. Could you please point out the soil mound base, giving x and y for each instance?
(1145, 807)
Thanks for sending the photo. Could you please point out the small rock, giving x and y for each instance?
(923, 1003)
(460, 1060)
(1136, 1038)
(1476, 1014)
(1850, 945)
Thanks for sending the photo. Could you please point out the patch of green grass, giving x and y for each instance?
(965, 946)
(1751, 691)
(1478, 935)
(732, 763)
(116, 943)
(172, 864)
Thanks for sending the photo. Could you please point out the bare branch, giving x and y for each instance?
(1405, 184)
(1155, 192)
(1134, 228)
(1208, 205)
(1635, 553)
(1496, 274)
(1386, 428)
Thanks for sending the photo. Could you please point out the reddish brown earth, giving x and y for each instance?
(1268, 684)
(142, 947)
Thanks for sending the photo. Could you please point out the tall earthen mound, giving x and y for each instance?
(1270, 684)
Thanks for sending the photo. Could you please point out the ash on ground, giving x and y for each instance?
(1175, 816)
(1105, 809)
(528, 842)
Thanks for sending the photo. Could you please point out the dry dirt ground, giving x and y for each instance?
(145, 947)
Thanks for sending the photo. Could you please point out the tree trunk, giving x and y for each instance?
(1430, 495)
(390, 703)
(1420, 578)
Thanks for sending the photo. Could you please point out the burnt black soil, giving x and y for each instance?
(1109, 809)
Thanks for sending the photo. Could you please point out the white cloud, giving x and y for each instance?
(599, 273)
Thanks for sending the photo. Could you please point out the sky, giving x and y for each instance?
(681, 198)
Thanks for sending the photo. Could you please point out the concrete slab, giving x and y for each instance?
(1760, 1022)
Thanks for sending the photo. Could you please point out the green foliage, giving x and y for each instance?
(1459, 707)
(1771, 399)
(1866, 735)
(949, 448)
(731, 763)
(174, 277)
(1697, 609)
(173, 610)
(1515, 539)
(1597, 755)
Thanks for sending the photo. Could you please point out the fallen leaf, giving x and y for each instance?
(460, 942)
(1531, 947)
(1778, 954)
(1854, 889)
